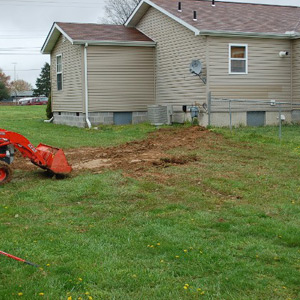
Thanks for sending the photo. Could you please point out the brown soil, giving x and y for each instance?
(134, 158)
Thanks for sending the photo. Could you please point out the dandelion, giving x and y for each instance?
(158, 244)
(80, 279)
(202, 293)
(185, 287)
(70, 298)
(86, 293)
(185, 251)
(90, 298)
(177, 256)
(20, 294)
(41, 294)
(199, 290)
(48, 265)
(79, 298)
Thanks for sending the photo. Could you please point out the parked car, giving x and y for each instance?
(33, 101)
(24, 101)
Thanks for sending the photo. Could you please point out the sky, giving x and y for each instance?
(24, 25)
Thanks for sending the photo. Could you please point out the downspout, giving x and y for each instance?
(86, 87)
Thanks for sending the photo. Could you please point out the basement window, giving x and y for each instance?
(59, 72)
(238, 59)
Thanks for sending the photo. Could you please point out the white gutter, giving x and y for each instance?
(287, 35)
(115, 43)
(86, 87)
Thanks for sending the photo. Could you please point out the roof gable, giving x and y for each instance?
(227, 17)
(95, 34)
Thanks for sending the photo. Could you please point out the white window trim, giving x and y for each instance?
(245, 59)
(61, 72)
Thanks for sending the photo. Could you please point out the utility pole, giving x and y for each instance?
(15, 70)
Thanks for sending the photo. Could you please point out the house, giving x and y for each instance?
(247, 51)
(16, 95)
(100, 74)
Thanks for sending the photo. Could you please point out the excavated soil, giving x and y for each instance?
(138, 157)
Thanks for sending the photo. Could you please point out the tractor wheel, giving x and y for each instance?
(5, 173)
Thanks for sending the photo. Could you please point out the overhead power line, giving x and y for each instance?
(20, 54)
(52, 4)
(28, 70)
(19, 48)
(51, 1)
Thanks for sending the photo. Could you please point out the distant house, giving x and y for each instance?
(15, 95)
(115, 72)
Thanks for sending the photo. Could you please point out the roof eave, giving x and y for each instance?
(52, 37)
(115, 43)
(143, 7)
(293, 35)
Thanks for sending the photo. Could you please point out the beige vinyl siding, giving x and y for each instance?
(176, 48)
(296, 72)
(70, 98)
(269, 76)
(120, 78)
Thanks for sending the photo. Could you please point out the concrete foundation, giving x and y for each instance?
(96, 118)
(296, 116)
(139, 117)
(218, 119)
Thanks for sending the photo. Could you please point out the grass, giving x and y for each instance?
(30, 122)
(224, 227)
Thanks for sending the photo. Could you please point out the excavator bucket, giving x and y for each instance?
(55, 158)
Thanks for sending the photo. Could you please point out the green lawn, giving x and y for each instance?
(224, 227)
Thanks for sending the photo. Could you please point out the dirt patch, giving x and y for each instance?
(138, 157)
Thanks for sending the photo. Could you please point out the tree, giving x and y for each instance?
(4, 78)
(118, 11)
(4, 92)
(20, 86)
(43, 83)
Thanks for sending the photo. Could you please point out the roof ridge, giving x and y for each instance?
(246, 3)
(79, 23)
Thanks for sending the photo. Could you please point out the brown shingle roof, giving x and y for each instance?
(99, 32)
(235, 17)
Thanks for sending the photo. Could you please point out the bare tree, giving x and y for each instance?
(20, 86)
(118, 11)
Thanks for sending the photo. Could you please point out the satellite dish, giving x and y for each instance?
(196, 67)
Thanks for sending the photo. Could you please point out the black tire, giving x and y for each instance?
(5, 173)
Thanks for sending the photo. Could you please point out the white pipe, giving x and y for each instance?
(86, 88)
(49, 121)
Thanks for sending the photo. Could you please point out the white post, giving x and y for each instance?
(86, 87)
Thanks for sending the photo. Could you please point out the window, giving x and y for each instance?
(238, 59)
(59, 72)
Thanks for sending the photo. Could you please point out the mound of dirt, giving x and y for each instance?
(135, 157)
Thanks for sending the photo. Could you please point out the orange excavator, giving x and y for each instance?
(44, 156)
